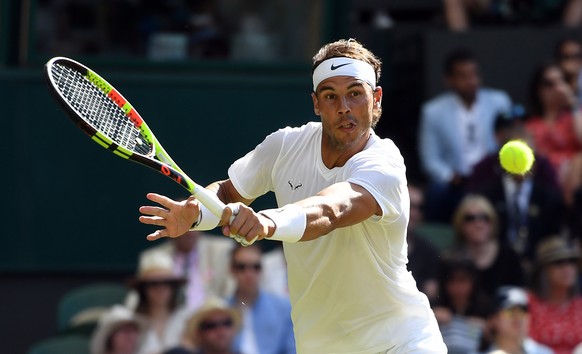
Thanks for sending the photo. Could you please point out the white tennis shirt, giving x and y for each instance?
(350, 290)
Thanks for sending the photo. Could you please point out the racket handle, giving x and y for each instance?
(211, 201)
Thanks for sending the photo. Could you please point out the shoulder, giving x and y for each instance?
(290, 136)
(491, 94)
(275, 301)
(384, 151)
(439, 103)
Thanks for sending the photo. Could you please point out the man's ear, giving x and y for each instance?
(377, 97)
(315, 104)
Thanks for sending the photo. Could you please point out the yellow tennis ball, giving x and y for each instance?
(516, 157)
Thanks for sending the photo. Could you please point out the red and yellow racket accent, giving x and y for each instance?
(102, 113)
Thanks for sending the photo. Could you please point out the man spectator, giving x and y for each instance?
(456, 131)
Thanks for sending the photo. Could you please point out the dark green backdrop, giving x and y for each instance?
(69, 205)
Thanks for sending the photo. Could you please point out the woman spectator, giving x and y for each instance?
(556, 124)
(555, 302)
(119, 331)
(158, 292)
(476, 229)
(460, 308)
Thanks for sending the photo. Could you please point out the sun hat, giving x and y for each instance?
(554, 249)
(157, 267)
(109, 322)
(211, 305)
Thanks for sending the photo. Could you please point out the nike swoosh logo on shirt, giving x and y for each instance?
(339, 66)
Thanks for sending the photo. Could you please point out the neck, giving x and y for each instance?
(158, 312)
(335, 154)
(509, 345)
(247, 297)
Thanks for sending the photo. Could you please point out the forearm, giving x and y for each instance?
(340, 205)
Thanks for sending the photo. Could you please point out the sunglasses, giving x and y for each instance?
(153, 283)
(476, 217)
(241, 267)
(212, 325)
(563, 262)
(573, 56)
(549, 83)
(515, 312)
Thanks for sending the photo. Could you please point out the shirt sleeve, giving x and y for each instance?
(383, 177)
(251, 174)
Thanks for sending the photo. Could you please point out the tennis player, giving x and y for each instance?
(344, 209)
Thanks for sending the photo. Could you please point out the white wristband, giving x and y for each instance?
(290, 222)
(206, 220)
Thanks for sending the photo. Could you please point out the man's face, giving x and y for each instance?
(346, 106)
(570, 59)
(464, 80)
(246, 269)
(216, 332)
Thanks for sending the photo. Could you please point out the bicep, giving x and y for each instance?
(227, 193)
(340, 205)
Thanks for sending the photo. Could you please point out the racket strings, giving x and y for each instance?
(98, 110)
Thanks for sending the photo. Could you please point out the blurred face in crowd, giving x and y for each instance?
(476, 224)
(216, 332)
(465, 80)
(511, 323)
(246, 269)
(124, 340)
(570, 58)
(416, 203)
(553, 89)
(159, 293)
(562, 274)
(460, 286)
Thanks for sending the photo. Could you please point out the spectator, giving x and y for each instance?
(461, 307)
(509, 324)
(460, 14)
(211, 330)
(476, 229)
(119, 331)
(262, 312)
(555, 123)
(200, 258)
(555, 302)
(529, 207)
(448, 155)
(423, 257)
(158, 292)
(568, 56)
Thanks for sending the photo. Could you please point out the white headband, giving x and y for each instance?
(342, 66)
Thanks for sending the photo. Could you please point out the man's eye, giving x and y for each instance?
(330, 96)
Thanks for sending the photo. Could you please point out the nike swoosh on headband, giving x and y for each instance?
(339, 66)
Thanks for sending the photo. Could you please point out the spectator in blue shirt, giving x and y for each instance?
(266, 317)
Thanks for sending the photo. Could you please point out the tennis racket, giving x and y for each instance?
(101, 112)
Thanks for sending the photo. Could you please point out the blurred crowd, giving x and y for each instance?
(509, 277)
(507, 281)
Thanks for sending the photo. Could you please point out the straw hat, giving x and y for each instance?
(555, 249)
(157, 267)
(211, 305)
(110, 321)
